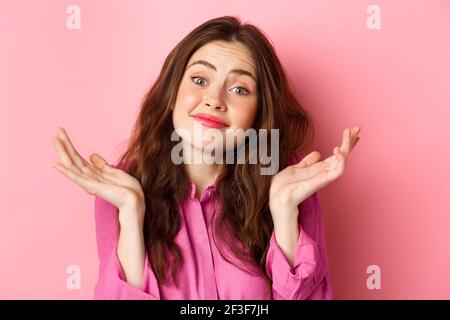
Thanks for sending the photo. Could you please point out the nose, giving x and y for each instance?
(219, 106)
(215, 101)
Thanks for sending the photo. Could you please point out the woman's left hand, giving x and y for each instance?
(297, 182)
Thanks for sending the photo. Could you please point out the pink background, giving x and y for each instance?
(391, 208)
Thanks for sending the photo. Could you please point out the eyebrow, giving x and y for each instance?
(209, 65)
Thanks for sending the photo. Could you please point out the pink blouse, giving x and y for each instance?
(205, 274)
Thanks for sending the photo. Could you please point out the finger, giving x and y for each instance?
(309, 159)
(357, 129)
(333, 157)
(341, 157)
(319, 180)
(80, 180)
(324, 172)
(330, 172)
(356, 141)
(330, 159)
(100, 163)
(354, 136)
(345, 146)
(311, 170)
(76, 158)
(62, 152)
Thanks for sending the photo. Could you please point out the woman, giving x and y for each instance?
(207, 229)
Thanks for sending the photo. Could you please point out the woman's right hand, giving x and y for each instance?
(99, 178)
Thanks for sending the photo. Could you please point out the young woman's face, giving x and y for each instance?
(219, 83)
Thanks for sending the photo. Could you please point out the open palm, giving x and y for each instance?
(297, 182)
(97, 178)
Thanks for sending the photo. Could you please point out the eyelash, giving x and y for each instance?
(248, 92)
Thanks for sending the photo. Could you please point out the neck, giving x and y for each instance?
(202, 174)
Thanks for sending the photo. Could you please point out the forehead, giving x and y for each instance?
(235, 54)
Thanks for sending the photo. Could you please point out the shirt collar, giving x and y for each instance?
(206, 193)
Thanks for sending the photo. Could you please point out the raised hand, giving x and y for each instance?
(297, 182)
(98, 178)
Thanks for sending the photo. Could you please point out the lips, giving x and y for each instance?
(210, 121)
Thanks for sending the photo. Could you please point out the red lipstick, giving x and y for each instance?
(209, 121)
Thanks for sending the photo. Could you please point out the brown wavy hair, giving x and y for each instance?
(242, 191)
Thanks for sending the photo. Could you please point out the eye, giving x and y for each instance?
(197, 82)
(242, 89)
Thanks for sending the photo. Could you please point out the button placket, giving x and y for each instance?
(204, 244)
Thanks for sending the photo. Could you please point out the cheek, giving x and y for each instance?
(187, 100)
(188, 97)
(243, 115)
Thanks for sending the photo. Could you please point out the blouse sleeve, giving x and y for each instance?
(309, 277)
(111, 283)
